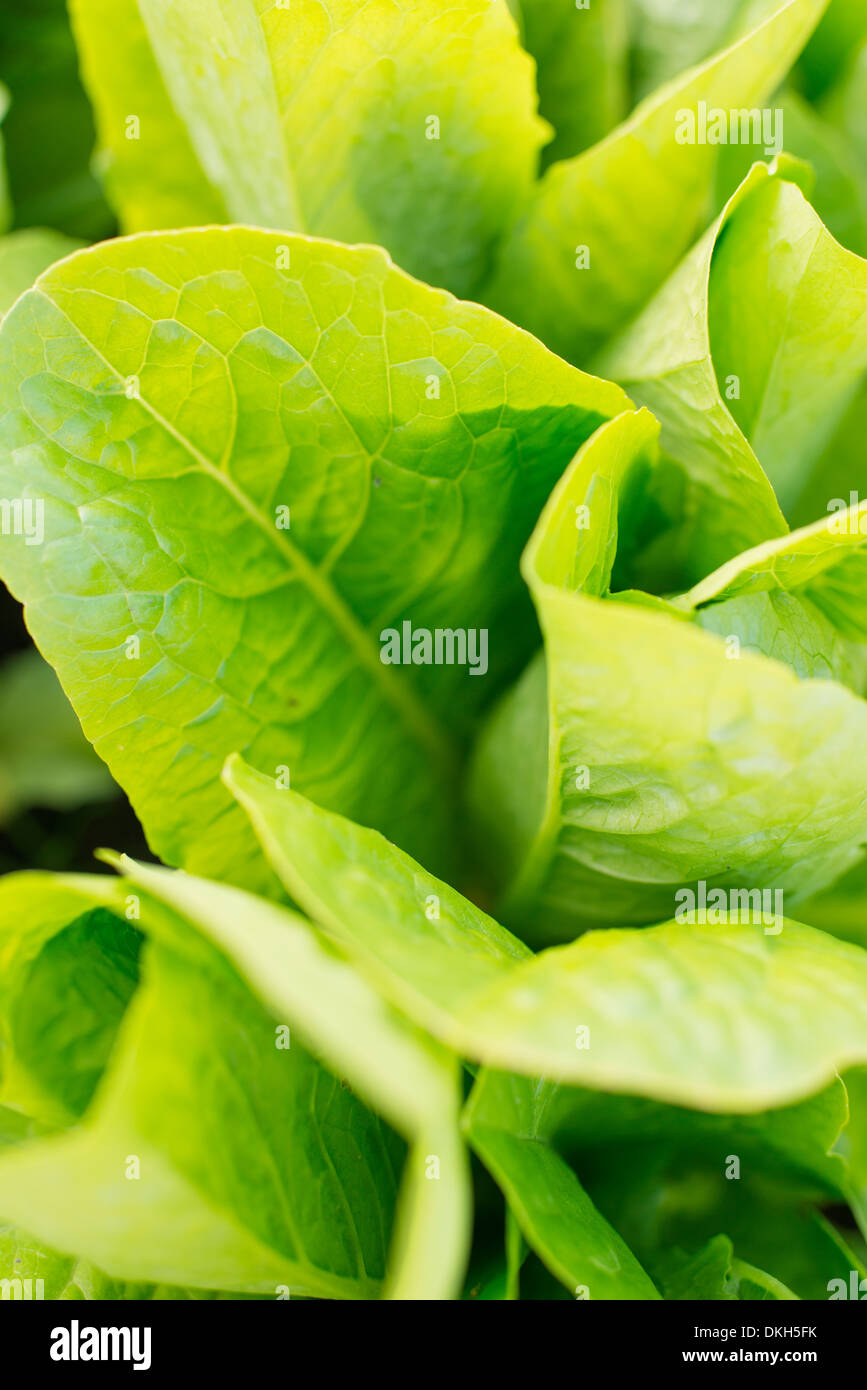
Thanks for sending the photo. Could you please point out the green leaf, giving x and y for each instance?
(668, 37)
(414, 127)
(581, 56)
(150, 171)
(67, 972)
(840, 192)
(64, 1021)
(839, 476)
(553, 1211)
(215, 1202)
(667, 761)
(843, 105)
(824, 563)
(791, 325)
(408, 1079)
(219, 1206)
(518, 1124)
(724, 501)
(671, 1178)
(660, 1203)
(425, 945)
(49, 131)
(666, 186)
(558, 1219)
(842, 30)
(44, 757)
(714, 1274)
(797, 1145)
(251, 474)
(778, 345)
(673, 1012)
(5, 208)
(65, 1278)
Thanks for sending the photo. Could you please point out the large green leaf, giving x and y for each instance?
(718, 1015)
(661, 754)
(581, 55)
(304, 1195)
(412, 126)
(257, 455)
(574, 302)
(757, 344)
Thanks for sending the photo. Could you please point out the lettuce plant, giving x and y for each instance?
(592, 923)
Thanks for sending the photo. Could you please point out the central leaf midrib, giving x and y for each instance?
(416, 718)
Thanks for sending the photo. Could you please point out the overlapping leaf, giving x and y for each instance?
(413, 126)
(756, 346)
(305, 1195)
(575, 268)
(720, 1015)
(582, 60)
(659, 754)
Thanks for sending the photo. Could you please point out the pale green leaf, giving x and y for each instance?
(542, 279)
(672, 756)
(258, 455)
(259, 1219)
(149, 168)
(425, 944)
(413, 126)
(407, 1078)
(723, 1016)
(757, 344)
